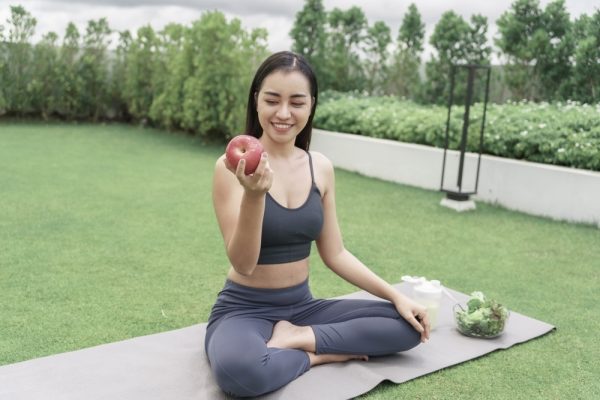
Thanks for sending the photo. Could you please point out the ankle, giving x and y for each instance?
(289, 336)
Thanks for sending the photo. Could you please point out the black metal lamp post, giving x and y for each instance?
(457, 198)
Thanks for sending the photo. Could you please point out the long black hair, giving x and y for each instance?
(282, 61)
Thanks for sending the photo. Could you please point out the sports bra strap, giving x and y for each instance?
(312, 174)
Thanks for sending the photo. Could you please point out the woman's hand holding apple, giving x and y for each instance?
(245, 157)
(258, 182)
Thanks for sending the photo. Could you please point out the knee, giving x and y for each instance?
(240, 376)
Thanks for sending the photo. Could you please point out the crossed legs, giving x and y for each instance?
(253, 355)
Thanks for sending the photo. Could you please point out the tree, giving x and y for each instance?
(45, 84)
(70, 82)
(456, 42)
(412, 31)
(476, 49)
(586, 71)
(309, 36)
(17, 68)
(138, 89)
(554, 46)
(3, 61)
(447, 37)
(223, 61)
(538, 46)
(376, 51)
(404, 79)
(93, 70)
(347, 31)
(118, 76)
(173, 66)
(517, 28)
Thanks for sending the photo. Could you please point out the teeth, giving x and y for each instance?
(282, 126)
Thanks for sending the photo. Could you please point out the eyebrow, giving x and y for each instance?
(278, 95)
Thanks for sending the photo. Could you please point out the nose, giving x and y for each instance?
(283, 112)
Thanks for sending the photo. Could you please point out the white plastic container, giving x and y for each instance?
(429, 294)
(412, 282)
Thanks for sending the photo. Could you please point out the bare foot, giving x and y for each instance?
(316, 359)
(289, 336)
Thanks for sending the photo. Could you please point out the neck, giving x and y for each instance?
(278, 150)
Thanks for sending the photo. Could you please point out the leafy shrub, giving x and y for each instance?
(565, 134)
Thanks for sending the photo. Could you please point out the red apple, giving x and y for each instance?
(244, 147)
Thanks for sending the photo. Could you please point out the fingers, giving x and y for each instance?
(259, 181)
(426, 328)
(421, 324)
(416, 324)
(416, 315)
(233, 168)
(264, 161)
(241, 167)
(263, 174)
(263, 165)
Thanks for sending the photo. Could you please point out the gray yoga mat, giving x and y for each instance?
(172, 366)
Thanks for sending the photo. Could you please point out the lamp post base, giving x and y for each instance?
(458, 205)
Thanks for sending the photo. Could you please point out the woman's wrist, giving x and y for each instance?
(254, 195)
(398, 298)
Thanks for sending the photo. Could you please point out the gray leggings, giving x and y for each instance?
(241, 323)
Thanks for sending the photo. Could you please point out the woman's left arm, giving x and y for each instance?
(346, 265)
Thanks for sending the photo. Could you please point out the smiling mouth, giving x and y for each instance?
(282, 126)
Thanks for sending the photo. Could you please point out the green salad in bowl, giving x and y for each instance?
(482, 317)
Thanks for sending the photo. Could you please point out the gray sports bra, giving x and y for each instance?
(287, 233)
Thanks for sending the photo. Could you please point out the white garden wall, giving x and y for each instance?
(539, 189)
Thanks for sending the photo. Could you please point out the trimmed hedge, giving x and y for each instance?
(566, 134)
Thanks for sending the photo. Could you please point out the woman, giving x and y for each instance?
(265, 328)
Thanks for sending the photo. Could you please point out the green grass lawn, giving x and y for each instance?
(107, 232)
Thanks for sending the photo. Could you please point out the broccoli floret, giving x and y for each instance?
(474, 305)
(478, 295)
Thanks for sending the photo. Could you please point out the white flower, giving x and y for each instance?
(524, 133)
(542, 126)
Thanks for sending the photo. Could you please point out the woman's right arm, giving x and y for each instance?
(239, 202)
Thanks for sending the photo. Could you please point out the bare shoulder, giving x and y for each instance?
(321, 162)
(324, 172)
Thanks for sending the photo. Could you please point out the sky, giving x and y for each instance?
(277, 16)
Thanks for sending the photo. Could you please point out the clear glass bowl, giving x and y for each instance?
(476, 331)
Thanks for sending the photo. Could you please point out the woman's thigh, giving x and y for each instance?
(353, 326)
(320, 311)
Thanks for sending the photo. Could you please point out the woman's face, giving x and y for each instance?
(284, 104)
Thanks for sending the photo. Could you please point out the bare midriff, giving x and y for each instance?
(273, 276)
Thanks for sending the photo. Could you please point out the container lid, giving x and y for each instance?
(413, 279)
(432, 287)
